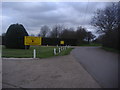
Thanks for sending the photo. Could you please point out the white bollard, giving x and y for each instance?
(34, 53)
(59, 50)
(57, 45)
(68, 46)
(54, 51)
(65, 47)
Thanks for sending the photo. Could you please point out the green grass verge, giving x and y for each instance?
(65, 52)
(110, 49)
(92, 44)
(41, 52)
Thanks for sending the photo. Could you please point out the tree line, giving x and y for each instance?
(107, 22)
(14, 37)
(60, 31)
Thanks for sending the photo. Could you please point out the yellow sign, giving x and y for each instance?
(61, 42)
(30, 40)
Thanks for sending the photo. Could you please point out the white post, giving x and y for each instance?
(57, 45)
(68, 46)
(65, 47)
(59, 50)
(54, 51)
(34, 53)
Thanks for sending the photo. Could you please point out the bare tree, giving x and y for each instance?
(56, 31)
(44, 30)
(81, 33)
(106, 20)
(68, 33)
(89, 36)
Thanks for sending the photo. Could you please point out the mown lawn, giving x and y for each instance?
(111, 50)
(42, 52)
(91, 44)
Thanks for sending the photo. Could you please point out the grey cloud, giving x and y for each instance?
(34, 15)
(87, 7)
(30, 6)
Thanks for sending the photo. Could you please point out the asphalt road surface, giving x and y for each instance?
(54, 72)
(101, 64)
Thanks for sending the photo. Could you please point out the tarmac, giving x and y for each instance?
(54, 72)
(101, 64)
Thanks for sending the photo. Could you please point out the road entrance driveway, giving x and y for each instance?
(55, 72)
(102, 65)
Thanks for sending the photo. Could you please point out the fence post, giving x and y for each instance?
(54, 51)
(65, 47)
(34, 53)
(59, 50)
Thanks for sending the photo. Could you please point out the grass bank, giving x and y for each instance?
(110, 49)
(42, 52)
(92, 44)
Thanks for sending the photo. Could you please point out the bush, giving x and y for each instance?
(56, 41)
(111, 39)
(14, 37)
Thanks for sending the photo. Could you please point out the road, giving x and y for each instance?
(102, 65)
(55, 72)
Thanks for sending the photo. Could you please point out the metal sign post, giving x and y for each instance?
(30, 40)
(62, 42)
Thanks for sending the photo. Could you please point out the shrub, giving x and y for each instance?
(14, 37)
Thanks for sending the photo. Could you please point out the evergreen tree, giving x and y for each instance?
(14, 37)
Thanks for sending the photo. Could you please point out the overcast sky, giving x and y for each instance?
(33, 15)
